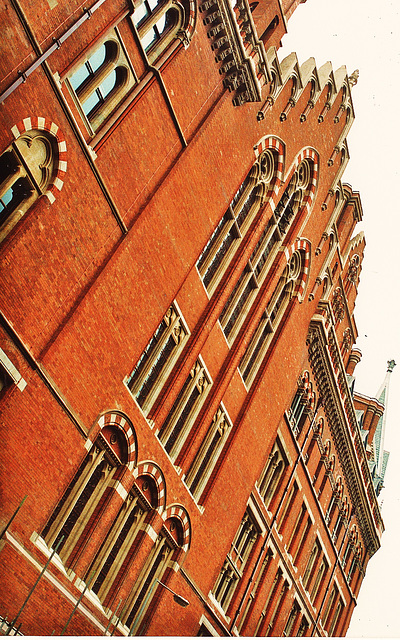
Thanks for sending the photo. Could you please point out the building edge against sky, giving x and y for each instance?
(177, 397)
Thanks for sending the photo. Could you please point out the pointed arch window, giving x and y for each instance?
(271, 477)
(208, 454)
(234, 566)
(27, 168)
(242, 210)
(185, 409)
(157, 360)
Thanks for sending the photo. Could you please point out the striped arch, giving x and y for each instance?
(121, 421)
(312, 155)
(304, 246)
(275, 144)
(190, 28)
(43, 124)
(150, 469)
(176, 511)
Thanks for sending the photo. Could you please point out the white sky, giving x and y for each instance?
(365, 35)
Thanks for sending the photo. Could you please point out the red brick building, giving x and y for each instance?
(179, 274)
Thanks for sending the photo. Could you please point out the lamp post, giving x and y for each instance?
(178, 599)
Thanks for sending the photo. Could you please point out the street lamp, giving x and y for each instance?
(178, 599)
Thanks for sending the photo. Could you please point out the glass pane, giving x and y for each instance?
(149, 38)
(108, 84)
(79, 76)
(8, 196)
(98, 58)
(161, 23)
(140, 14)
(89, 104)
(153, 4)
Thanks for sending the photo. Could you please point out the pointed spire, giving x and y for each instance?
(381, 456)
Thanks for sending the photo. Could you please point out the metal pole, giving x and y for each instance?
(111, 616)
(145, 601)
(77, 604)
(35, 585)
(13, 516)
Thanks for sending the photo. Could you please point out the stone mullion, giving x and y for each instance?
(301, 549)
(270, 604)
(296, 624)
(80, 554)
(89, 508)
(94, 458)
(276, 615)
(332, 610)
(111, 538)
(297, 528)
(123, 551)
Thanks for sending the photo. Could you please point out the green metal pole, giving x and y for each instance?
(12, 517)
(34, 586)
(77, 604)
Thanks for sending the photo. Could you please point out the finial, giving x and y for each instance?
(353, 79)
(391, 365)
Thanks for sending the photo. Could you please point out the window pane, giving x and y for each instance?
(108, 84)
(79, 77)
(140, 14)
(89, 104)
(98, 58)
(6, 199)
(149, 38)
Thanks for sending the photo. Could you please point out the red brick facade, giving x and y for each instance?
(179, 274)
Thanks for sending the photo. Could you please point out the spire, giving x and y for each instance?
(381, 456)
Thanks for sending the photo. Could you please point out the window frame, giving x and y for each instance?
(102, 111)
(175, 329)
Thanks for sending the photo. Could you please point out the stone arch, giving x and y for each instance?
(179, 513)
(149, 468)
(304, 247)
(122, 422)
(40, 123)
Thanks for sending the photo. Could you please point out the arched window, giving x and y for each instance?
(271, 318)
(228, 234)
(101, 80)
(158, 23)
(233, 568)
(168, 549)
(273, 473)
(75, 516)
(291, 203)
(27, 169)
(208, 454)
(118, 549)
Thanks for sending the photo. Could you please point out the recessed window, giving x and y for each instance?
(102, 80)
(156, 362)
(27, 168)
(185, 409)
(158, 24)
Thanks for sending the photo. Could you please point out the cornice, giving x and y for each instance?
(330, 377)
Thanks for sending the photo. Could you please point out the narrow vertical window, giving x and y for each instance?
(184, 411)
(208, 454)
(236, 560)
(157, 360)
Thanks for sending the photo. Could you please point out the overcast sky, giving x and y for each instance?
(365, 35)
